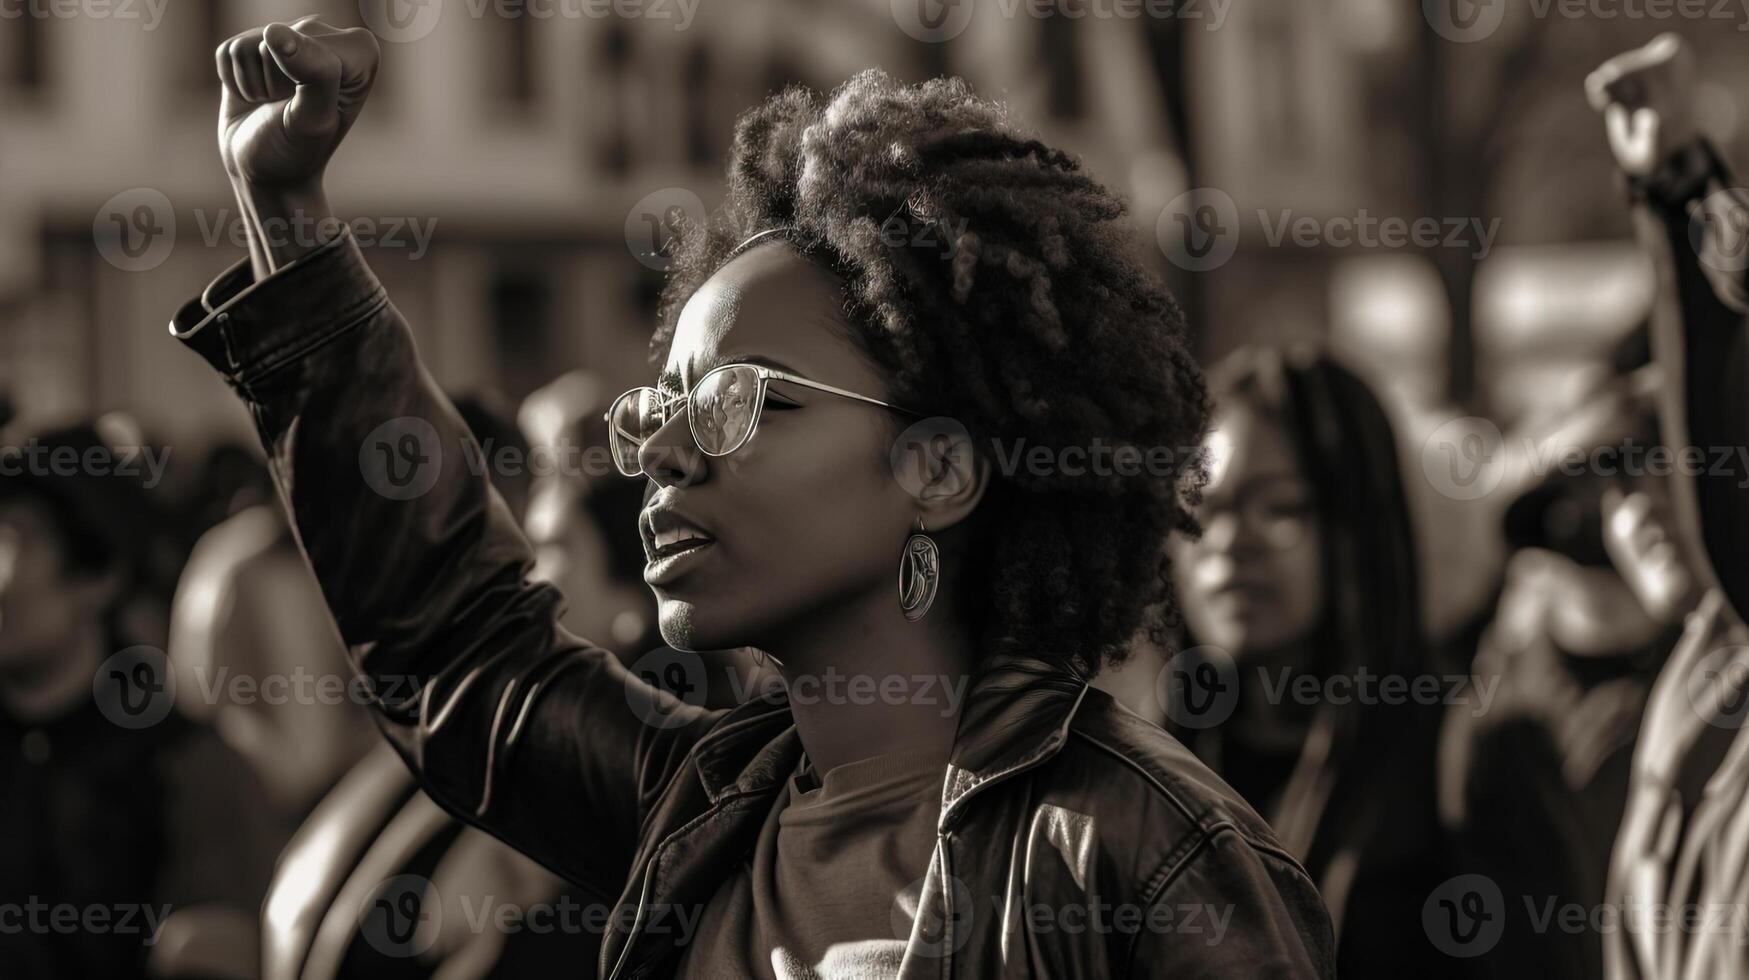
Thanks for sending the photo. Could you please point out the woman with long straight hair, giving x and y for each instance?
(902, 298)
(1305, 580)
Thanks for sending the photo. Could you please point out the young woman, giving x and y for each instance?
(1305, 579)
(1030, 828)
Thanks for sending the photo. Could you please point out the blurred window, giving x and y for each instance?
(616, 58)
(22, 53)
(203, 22)
(511, 66)
(1062, 59)
(521, 300)
(699, 81)
(1278, 68)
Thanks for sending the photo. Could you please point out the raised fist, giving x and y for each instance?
(290, 93)
(1647, 100)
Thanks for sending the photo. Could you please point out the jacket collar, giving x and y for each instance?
(1016, 715)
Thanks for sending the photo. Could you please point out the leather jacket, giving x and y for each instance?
(1075, 839)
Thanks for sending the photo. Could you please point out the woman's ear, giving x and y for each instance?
(936, 461)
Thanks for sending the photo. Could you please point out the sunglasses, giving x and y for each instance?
(722, 410)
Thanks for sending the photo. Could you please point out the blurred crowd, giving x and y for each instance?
(1472, 800)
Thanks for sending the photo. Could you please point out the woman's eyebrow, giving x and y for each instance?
(670, 378)
(758, 359)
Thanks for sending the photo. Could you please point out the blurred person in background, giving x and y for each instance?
(1306, 569)
(246, 608)
(114, 804)
(582, 516)
(1020, 584)
(378, 825)
(1684, 839)
(1597, 588)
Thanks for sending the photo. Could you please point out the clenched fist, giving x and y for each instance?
(290, 94)
(1647, 98)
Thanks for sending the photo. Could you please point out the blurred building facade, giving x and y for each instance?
(502, 163)
(516, 167)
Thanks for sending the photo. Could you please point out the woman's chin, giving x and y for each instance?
(688, 626)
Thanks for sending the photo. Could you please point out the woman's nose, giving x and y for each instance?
(1220, 531)
(671, 457)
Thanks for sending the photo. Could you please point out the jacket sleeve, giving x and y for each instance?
(1696, 228)
(508, 721)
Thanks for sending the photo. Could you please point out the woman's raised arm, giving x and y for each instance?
(509, 721)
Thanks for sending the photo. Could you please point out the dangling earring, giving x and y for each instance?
(919, 573)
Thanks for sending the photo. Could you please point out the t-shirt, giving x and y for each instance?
(831, 887)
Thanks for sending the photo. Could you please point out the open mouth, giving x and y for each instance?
(670, 544)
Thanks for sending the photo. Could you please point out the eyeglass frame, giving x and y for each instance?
(764, 374)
